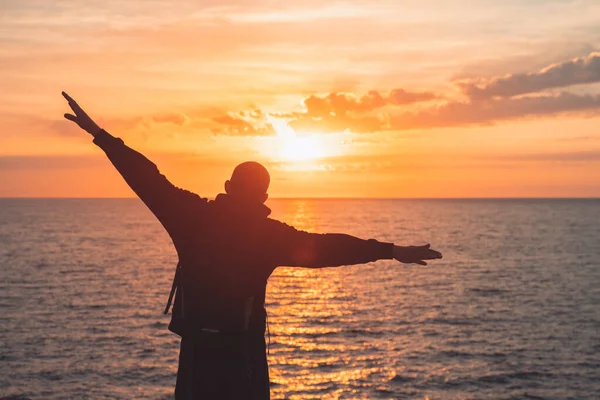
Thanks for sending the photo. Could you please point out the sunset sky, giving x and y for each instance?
(394, 98)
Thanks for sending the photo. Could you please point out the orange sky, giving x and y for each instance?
(338, 99)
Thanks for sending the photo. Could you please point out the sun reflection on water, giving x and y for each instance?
(307, 312)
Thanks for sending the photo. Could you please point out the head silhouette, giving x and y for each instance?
(249, 181)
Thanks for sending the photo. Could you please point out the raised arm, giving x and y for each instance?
(315, 250)
(165, 200)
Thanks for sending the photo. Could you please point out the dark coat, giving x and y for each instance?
(227, 250)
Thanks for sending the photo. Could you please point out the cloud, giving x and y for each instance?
(62, 162)
(562, 157)
(401, 96)
(577, 71)
(243, 123)
(339, 103)
(499, 99)
(452, 113)
(494, 110)
(170, 118)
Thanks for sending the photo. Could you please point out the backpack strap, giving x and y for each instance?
(173, 288)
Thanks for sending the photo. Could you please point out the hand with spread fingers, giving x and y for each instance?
(81, 118)
(415, 254)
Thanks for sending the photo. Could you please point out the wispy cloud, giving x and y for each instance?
(483, 103)
(341, 103)
(583, 156)
(577, 71)
(252, 123)
(475, 112)
(33, 163)
(491, 101)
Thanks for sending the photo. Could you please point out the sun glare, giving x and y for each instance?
(301, 148)
(292, 147)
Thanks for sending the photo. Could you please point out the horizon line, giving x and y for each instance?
(317, 198)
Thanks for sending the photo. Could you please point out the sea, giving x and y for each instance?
(512, 311)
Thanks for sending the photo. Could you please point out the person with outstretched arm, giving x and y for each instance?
(227, 249)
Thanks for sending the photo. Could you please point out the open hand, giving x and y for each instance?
(415, 254)
(81, 118)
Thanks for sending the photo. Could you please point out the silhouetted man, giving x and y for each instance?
(227, 250)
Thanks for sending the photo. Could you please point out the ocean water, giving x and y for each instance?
(511, 312)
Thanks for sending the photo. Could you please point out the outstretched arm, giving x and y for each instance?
(164, 199)
(314, 250)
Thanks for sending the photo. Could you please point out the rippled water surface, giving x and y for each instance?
(511, 312)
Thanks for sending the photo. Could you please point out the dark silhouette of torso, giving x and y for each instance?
(227, 250)
(226, 260)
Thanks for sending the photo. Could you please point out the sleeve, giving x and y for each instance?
(166, 201)
(316, 250)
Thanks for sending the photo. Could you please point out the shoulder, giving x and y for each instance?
(193, 196)
(283, 232)
(189, 199)
(277, 227)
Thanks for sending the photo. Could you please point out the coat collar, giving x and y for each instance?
(240, 207)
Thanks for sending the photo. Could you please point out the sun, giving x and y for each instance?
(292, 147)
(301, 148)
(301, 151)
